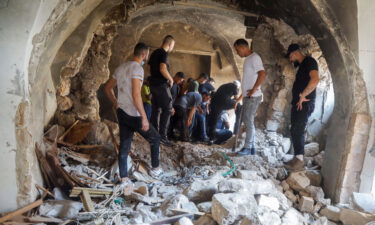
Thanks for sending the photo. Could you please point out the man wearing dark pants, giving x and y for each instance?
(132, 117)
(225, 98)
(222, 128)
(303, 102)
(252, 79)
(160, 84)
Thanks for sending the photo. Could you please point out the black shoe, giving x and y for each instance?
(244, 151)
(253, 151)
(166, 142)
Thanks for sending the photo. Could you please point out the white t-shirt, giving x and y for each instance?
(252, 65)
(124, 74)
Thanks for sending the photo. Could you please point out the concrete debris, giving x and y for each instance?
(315, 177)
(298, 181)
(248, 175)
(237, 185)
(202, 190)
(293, 217)
(331, 212)
(353, 217)
(311, 149)
(270, 202)
(184, 221)
(179, 201)
(306, 204)
(64, 209)
(205, 220)
(363, 202)
(205, 207)
(292, 197)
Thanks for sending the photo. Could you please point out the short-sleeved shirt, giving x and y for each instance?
(223, 118)
(224, 93)
(157, 57)
(191, 99)
(145, 92)
(252, 65)
(303, 79)
(206, 87)
(124, 75)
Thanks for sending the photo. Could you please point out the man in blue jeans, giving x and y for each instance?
(132, 117)
(253, 76)
(222, 128)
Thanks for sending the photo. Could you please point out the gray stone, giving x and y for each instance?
(311, 149)
(293, 217)
(270, 202)
(64, 209)
(248, 175)
(205, 207)
(316, 193)
(145, 199)
(184, 221)
(319, 158)
(272, 125)
(285, 185)
(306, 204)
(202, 190)
(321, 221)
(298, 181)
(167, 191)
(315, 177)
(363, 202)
(255, 187)
(331, 212)
(179, 201)
(228, 208)
(292, 197)
(286, 143)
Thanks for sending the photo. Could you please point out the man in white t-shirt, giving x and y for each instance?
(253, 76)
(128, 78)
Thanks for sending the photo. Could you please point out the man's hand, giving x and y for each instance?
(115, 106)
(145, 124)
(302, 99)
(173, 111)
(251, 92)
(170, 82)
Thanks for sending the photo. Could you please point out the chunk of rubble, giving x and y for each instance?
(230, 207)
(331, 212)
(255, 187)
(286, 143)
(363, 202)
(320, 221)
(179, 201)
(318, 159)
(205, 207)
(293, 217)
(64, 209)
(292, 197)
(306, 204)
(353, 217)
(202, 190)
(205, 220)
(270, 202)
(315, 177)
(298, 181)
(248, 175)
(184, 221)
(311, 149)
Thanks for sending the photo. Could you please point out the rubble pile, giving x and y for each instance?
(201, 184)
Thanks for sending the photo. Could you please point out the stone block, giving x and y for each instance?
(248, 175)
(202, 190)
(179, 201)
(306, 204)
(363, 202)
(293, 217)
(315, 177)
(205, 207)
(353, 217)
(292, 197)
(331, 212)
(298, 181)
(184, 221)
(286, 143)
(254, 187)
(205, 220)
(311, 149)
(270, 202)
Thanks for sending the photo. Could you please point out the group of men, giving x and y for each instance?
(193, 109)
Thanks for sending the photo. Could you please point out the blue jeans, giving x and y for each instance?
(148, 110)
(222, 135)
(200, 126)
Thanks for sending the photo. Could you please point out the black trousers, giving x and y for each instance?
(161, 108)
(128, 125)
(217, 108)
(298, 126)
(178, 121)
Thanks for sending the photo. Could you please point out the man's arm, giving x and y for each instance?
(108, 89)
(189, 119)
(137, 101)
(165, 73)
(258, 82)
(314, 80)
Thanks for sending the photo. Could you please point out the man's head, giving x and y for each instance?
(206, 96)
(242, 47)
(141, 51)
(168, 43)
(203, 77)
(179, 78)
(211, 81)
(294, 54)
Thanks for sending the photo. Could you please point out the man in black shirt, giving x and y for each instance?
(223, 99)
(303, 102)
(160, 85)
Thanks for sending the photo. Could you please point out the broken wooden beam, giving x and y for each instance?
(87, 202)
(76, 191)
(22, 210)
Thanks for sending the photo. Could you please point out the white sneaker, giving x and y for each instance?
(126, 186)
(156, 172)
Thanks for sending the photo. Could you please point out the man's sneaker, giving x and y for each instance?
(295, 165)
(244, 151)
(156, 172)
(252, 151)
(166, 142)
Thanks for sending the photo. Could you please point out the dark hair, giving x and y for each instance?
(211, 79)
(204, 76)
(168, 39)
(140, 48)
(241, 42)
(180, 75)
(205, 93)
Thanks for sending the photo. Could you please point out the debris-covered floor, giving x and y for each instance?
(201, 185)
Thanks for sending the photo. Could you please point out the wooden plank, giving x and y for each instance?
(45, 190)
(78, 132)
(41, 219)
(68, 130)
(172, 219)
(21, 210)
(87, 202)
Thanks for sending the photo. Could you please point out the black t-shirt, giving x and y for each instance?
(158, 56)
(303, 78)
(225, 92)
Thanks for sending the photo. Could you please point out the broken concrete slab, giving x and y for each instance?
(298, 181)
(184, 221)
(306, 204)
(331, 212)
(202, 190)
(353, 217)
(255, 187)
(270, 202)
(64, 209)
(248, 175)
(230, 207)
(363, 202)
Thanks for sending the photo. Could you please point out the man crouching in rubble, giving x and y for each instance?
(128, 78)
(303, 102)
